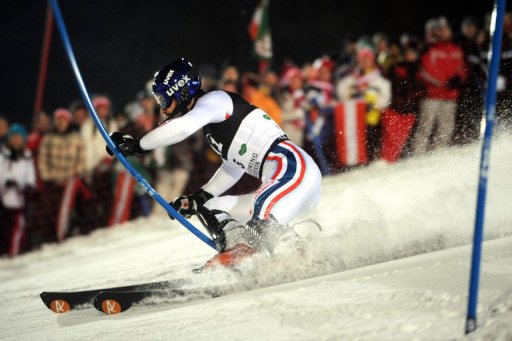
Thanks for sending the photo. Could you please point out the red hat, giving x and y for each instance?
(61, 112)
(323, 62)
(291, 73)
(101, 101)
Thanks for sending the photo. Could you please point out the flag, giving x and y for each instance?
(396, 129)
(350, 129)
(259, 31)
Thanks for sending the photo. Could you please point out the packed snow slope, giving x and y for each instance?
(392, 264)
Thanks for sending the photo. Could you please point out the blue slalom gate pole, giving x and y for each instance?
(154, 194)
(490, 110)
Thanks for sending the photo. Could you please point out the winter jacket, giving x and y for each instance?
(358, 85)
(61, 156)
(442, 70)
(266, 103)
(95, 147)
(17, 174)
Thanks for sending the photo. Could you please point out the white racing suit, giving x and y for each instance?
(248, 141)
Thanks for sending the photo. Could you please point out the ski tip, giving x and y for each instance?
(59, 306)
(111, 307)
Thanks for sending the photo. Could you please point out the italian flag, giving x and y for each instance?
(259, 31)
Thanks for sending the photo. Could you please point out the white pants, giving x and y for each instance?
(432, 112)
(291, 188)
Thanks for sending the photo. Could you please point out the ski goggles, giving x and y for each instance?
(163, 101)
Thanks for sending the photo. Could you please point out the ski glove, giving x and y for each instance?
(127, 144)
(187, 205)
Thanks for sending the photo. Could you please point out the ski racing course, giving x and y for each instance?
(392, 263)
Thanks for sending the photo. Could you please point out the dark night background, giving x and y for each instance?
(120, 44)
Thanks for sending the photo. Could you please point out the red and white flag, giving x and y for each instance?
(350, 129)
(74, 187)
(123, 199)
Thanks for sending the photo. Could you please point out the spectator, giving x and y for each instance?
(441, 73)
(79, 112)
(308, 72)
(395, 53)
(292, 100)
(17, 180)
(230, 74)
(398, 121)
(4, 129)
(270, 84)
(319, 106)
(229, 85)
(99, 172)
(62, 151)
(382, 52)
(146, 99)
(404, 85)
(366, 83)
(61, 164)
(431, 32)
(408, 39)
(470, 104)
(254, 95)
(347, 59)
(208, 77)
(130, 200)
(42, 125)
(504, 87)
(90, 133)
(121, 119)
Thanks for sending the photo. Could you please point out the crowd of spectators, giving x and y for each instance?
(380, 98)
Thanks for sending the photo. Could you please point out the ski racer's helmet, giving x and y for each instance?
(178, 81)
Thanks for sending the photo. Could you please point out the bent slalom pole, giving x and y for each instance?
(154, 194)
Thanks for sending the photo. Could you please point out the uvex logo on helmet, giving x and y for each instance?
(179, 84)
(168, 77)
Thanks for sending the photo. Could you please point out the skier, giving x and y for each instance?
(248, 141)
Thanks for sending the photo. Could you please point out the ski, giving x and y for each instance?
(62, 302)
(113, 302)
(118, 299)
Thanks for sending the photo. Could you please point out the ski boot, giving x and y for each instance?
(229, 237)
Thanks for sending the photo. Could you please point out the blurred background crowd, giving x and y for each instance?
(380, 99)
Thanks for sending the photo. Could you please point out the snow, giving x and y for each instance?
(392, 263)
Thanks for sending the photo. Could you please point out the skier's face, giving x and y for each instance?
(168, 111)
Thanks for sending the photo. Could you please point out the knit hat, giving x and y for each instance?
(290, 73)
(324, 61)
(101, 101)
(442, 22)
(365, 52)
(61, 112)
(17, 129)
